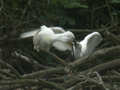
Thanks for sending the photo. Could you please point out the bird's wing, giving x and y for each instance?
(43, 27)
(93, 40)
(32, 32)
(57, 29)
(62, 46)
(29, 34)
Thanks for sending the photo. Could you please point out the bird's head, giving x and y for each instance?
(70, 35)
(44, 27)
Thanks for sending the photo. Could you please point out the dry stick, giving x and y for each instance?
(2, 5)
(104, 66)
(101, 81)
(10, 67)
(29, 82)
(3, 76)
(58, 79)
(31, 60)
(58, 59)
(115, 50)
(113, 78)
(79, 84)
(82, 30)
(97, 68)
(7, 74)
(40, 74)
(109, 10)
(92, 80)
(76, 81)
(115, 72)
(79, 81)
(93, 30)
(112, 37)
(23, 14)
(72, 81)
(88, 81)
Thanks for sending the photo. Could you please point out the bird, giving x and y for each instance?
(64, 41)
(47, 37)
(33, 32)
(87, 46)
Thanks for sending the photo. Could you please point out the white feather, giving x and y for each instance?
(46, 38)
(57, 29)
(64, 41)
(43, 38)
(33, 32)
(88, 44)
(29, 34)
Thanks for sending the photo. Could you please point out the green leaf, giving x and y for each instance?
(115, 1)
(75, 5)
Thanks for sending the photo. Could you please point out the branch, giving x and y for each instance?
(104, 66)
(7, 74)
(44, 73)
(10, 67)
(28, 82)
(109, 10)
(58, 59)
(100, 54)
(112, 37)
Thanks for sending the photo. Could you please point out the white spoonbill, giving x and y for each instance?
(46, 37)
(87, 45)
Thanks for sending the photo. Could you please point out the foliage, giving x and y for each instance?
(115, 1)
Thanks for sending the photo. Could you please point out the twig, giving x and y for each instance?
(44, 73)
(101, 81)
(115, 72)
(31, 60)
(73, 81)
(23, 13)
(109, 10)
(114, 50)
(112, 78)
(58, 59)
(2, 76)
(29, 82)
(112, 37)
(10, 67)
(7, 74)
(79, 80)
(2, 5)
(104, 66)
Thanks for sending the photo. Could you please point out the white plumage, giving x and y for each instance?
(64, 41)
(33, 32)
(57, 29)
(43, 38)
(46, 37)
(87, 45)
(29, 34)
